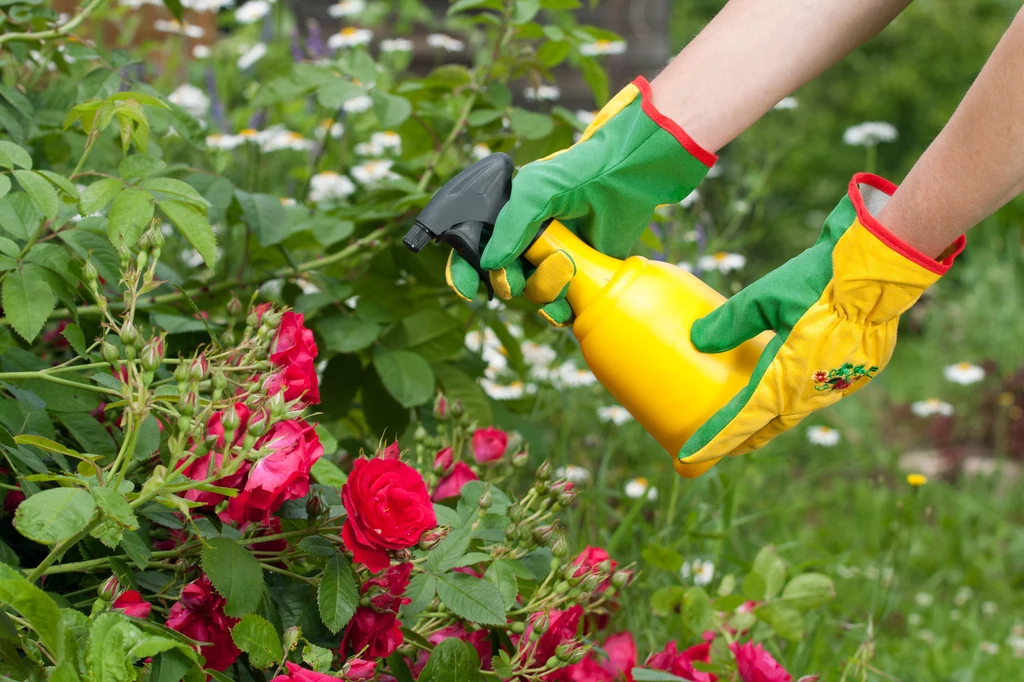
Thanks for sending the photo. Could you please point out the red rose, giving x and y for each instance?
(390, 452)
(372, 633)
(386, 589)
(202, 469)
(587, 563)
(292, 341)
(260, 309)
(478, 639)
(443, 461)
(131, 603)
(757, 665)
(680, 664)
(297, 379)
(489, 444)
(358, 670)
(615, 661)
(199, 615)
(451, 485)
(296, 673)
(388, 509)
(282, 475)
(12, 500)
(562, 626)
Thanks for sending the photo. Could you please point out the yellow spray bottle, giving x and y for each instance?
(633, 316)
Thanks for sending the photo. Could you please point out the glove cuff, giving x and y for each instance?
(704, 156)
(869, 193)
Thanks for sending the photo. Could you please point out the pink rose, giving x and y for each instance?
(680, 664)
(199, 615)
(296, 673)
(131, 603)
(757, 665)
(443, 461)
(562, 626)
(489, 445)
(297, 379)
(358, 670)
(451, 485)
(293, 340)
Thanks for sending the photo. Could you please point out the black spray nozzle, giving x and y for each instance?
(463, 212)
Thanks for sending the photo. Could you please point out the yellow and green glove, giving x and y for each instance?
(605, 188)
(835, 309)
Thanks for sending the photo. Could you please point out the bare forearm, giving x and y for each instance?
(975, 165)
(754, 53)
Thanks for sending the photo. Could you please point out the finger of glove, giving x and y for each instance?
(508, 281)
(551, 278)
(461, 277)
(771, 430)
(741, 318)
(558, 313)
(526, 210)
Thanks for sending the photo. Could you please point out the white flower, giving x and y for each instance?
(350, 36)
(252, 11)
(1016, 642)
(741, 206)
(926, 408)
(219, 141)
(251, 135)
(373, 171)
(288, 201)
(346, 8)
(586, 117)
(201, 51)
(191, 99)
(330, 185)
(136, 4)
(335, 128)
(603, 47)
(396, 45)
(513, 391)
(701, 570)
(924, 599)
(989, 608)
(847, 572)
(474, 339)
(914, 619)
(615, 414)
(274, 139)
(357, 104)
(963, 595)
(182, 29)
(635, 489)
(869, 133)
(573, 473)
(715, 170)
(568, 374)
(536, 354)
(252, 55)
(722, 261)
(444, 42)
(990, 648)
(542, 93)
(823, 436)
(683, 265)
(964, 373)
(388, 140)
(786, 103)
(926, 636)
(690, 199)
(480, 151)
(496, 361)
(201, 5)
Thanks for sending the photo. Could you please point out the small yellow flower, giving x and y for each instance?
(916, 480)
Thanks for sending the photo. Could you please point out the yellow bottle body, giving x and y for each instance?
(633, 320)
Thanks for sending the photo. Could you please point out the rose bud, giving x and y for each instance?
(181, 376)
(315, 506)
(129, 336)
(187, 404)
(520, 458)
(277, 406)
(560, 547)
(109, 588)
(517, 627)
(198, 369)
(108, 352)
(234, 307)
(565, 650)
(258, 423)
(291, 638)
(430, 538)
(578, 654)
(359, 670)
(543, 534)
(152, 353)
(271, 319)
(544, 471)
(89, 272)
(515, 513)
(621, 578)
(457, 410)
(485, 498)
(440, 407)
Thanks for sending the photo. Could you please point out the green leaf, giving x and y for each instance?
(328, 230)
(697, 609)
(553, 53)
(61, 183)
(809, 590)
(422, 330)
(597, 78)
(406, 376)
(328, 473)
(525, 11)
(148, 440)
(28, 302)
(317, 657)
(530, 125)
(41, 191)
(35, 606)
(6, 438)
(257, 637)
(448, 552)
(19, 215)
(771, 568)
(754, 586)
(44, 443)
(391, 110)
(337, 595)
(137, 549)
(667, 601)
(332, 95)
(130, 215)
(194, 226)
(235, 573)
(139, 166)
(463, 5)
(421, 591)
(644, 675)
(5, 185)
(458, 385)
(17, 100)
(75, 338)
(785, 620)
(265, 215)
(318, 545)
(109, 532)
(96, 196)
(474, 599)
(54, 515)
(11, 156)
(115, 506)
(347, 334)
(452, 661)
(503, 574)
(175, 8)
(663, 557)
(176, 190)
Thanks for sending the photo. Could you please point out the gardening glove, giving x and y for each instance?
(605, 188)
(835, 309)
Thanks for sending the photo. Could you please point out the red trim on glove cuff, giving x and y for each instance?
(888, 238)
(670, 126)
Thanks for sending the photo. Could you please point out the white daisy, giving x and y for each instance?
(990, 648)
(346, 8)
(869, 133)
(542, 93)
(357, 104)
(989, 608)
(373, 171)
(537, 354)
(786, 103)
(722, 261)
(330, 185)
(823, 436)
(585, 117)
(683, 265)
(251, 55)
(388, 140)
(444, 42)
(690, 199)
(252, 11)
(932, 406)
(329, 126)
(350, 36)
(616, 414)
(573, 473)
(513, 391)
(202, 52)
(602, 47)
(964, 373)
(701, 570)
(637, 487)
(288, 201)
(225, 142)
(275, 139)
(474, 339)
(191, 99)
(176, 27)
(568, 374)
(924, 599)
(480, 151)
(396, 45)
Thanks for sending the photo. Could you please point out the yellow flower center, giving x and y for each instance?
(917, 480)
(327, 122)
(249, 132)
(516, 384)
(964, 365)
(721, 256)
(294, 136)
(602, 42)
(641, 480)
(349, 31)
(329, 172)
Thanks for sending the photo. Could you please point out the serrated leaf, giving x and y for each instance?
(96, 196)
(61, 183)
(115, 506)
(808, 590)
(235, 573)
(40, 190)
(453, 660)
(391, 110)
(54, 515)
(474, 599)
(421, 591)
(130, 215)
(448, 552)
(337, 595)
(193, 224)
(257, 637)
(328, 473)
(13, 156)
(177, 190)
(317, 657)
(265, 215)
(407, 376)
(28, 302)
(35, 606)
(75, 338)
(530, 125)
(347, 334)
(786, 621)
(148, 440)
(140, 166)
(5, 185)
(503, 574)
